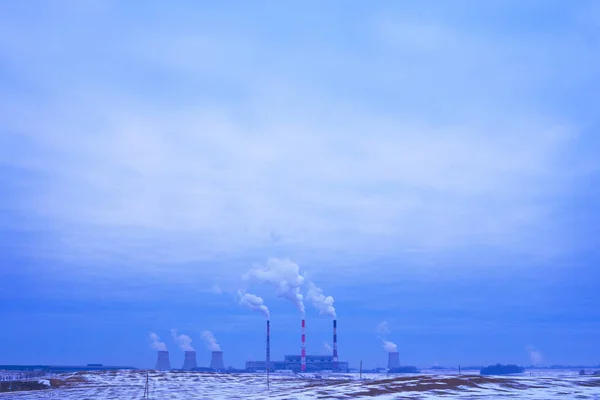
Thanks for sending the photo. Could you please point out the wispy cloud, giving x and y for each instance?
(109, 171)
(148, 159)
(216, 289)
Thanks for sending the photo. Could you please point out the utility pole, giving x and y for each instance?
(146, 389)
(459, 369)
(361, 370)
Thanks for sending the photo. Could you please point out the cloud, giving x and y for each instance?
(411, 35)
(462, 151)
(184, 342)
(275, 237)
(284, 275)
(210, 341)
(156, 342)
(383, 328)
(327, 347)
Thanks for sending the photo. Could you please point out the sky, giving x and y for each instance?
(429, 170)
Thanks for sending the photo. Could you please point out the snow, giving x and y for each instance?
(198, 385)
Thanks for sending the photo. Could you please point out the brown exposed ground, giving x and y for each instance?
(440, 386)
(19, 386)
(443, 385)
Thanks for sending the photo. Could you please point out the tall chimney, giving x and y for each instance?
(162, 362)
(216, 362)
(189, 361)
(393, 360)
(268, 346)
(303, 354)
(335, 353)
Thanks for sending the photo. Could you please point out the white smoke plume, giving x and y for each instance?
(389, 346)
(254, 302)
(183, 341)
(285, 276)
(383, 328)
(321, 302)
(327, 347)
(156, 343)
(534, 355)
(211, 342)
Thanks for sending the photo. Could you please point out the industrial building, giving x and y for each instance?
(314, 363)
(302, 362)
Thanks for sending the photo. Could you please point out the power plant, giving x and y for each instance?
(189, 361)
(216, 362)
(314, 363)
(290, 363)
(302, 362)
(162, 362)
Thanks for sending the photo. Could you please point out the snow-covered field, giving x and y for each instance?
(177, 385)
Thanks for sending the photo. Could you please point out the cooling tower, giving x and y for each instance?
(216, 362)
(162, 362)
(303, 354)
(189, 361)
(335, 353)
(394, 360)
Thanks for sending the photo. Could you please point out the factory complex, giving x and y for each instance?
(293, 363)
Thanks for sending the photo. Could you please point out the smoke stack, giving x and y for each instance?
(393, 360)
(303, 354)
(216, 361)
(189, 362)
(162, 362)
(268, 345)
(335, 353)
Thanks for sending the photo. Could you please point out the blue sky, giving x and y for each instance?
(430, 165)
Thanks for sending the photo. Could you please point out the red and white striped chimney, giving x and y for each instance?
(268, 346)
(335, 353)
(303, 354)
